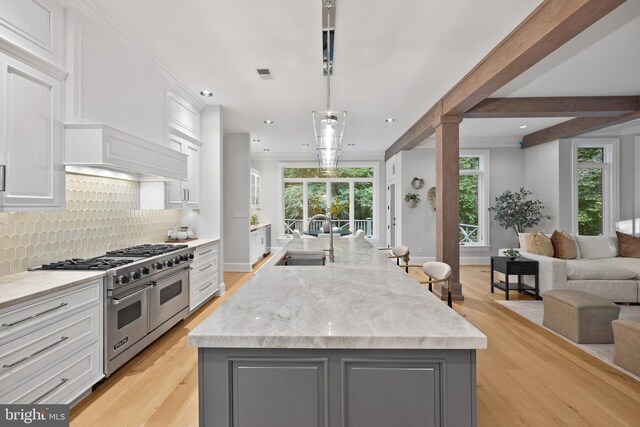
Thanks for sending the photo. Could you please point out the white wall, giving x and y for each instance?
(542, 177)
(235, 196)
(418, 224)
(211, 174)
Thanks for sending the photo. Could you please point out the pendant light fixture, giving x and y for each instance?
(329, 124)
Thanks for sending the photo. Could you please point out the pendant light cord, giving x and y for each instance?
(329, 52)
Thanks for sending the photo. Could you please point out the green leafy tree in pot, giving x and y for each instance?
(514, 210)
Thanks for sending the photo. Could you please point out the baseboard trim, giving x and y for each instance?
(221, 290)
(467, 260)
(242, 267)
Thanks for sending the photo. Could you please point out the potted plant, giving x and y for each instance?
(417, 183)
(512, 254)
(412, 199)
(514, 210)
(431, 196)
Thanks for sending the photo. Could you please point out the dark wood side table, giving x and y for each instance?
(521, 267)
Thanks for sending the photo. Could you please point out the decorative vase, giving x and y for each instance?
(326, 227)
(190, 233)
(182, 235)
(417, 183)
(412, 203)
(174, 234)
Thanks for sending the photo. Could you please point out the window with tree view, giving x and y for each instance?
(590, 190)
(471, 199)
(346, 193)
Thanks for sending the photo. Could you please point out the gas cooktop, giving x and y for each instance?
(145, 251)
(98, 263)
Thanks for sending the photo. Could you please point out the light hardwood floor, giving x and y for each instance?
(527, 376)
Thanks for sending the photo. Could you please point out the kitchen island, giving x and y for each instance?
(356, 342)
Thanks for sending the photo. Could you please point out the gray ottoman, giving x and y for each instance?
(626, 351)
(580, 316)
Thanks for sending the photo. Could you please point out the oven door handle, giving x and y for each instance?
(169, 277)
(117, 301)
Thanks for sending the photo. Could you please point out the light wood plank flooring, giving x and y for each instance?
(527, 376)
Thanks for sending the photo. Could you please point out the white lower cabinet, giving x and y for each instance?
(257, 245)
(51, 348)
(203, 279)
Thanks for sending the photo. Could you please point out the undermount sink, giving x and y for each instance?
(300, 258)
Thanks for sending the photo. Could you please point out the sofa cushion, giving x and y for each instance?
(632, 264)
(564, 247)
(597, 269)
(628, 245)
(596, 247)
(540, 244)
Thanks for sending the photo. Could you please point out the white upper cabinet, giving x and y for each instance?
(177, 192)
(254, 192)
(36, 26)
(31, 144)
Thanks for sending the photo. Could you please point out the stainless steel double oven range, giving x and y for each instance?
(146, 293)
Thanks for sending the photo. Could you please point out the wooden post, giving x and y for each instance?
(447, 203)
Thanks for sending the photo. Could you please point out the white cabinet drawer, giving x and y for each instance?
(48, 345)
(61, 383)
(30, 316)
(205, 254)
(204, 269)
(202, 290)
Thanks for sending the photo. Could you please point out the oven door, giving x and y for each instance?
(167, 297)
(127, 318)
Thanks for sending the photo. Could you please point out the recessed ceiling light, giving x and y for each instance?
(265, 149)
(255, 140)
(351, 145)
(523, 126)
(268, 122)
(206, 93)
(389, 120)
(306, 145)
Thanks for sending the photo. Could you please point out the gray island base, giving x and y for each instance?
(353, 343)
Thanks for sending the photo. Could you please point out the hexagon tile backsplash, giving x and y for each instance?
(101, 214)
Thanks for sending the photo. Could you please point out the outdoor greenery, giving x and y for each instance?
(469, 194)
(590, 196)
(338, 173)
(514, 209)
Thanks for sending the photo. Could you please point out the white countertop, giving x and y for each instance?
(254, 227)
(197, 242)
(28, 285)
(361, 301)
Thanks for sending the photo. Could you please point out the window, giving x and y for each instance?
(348, 193)
(594, 187)
(473, 198)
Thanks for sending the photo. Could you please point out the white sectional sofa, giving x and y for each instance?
(597, 270)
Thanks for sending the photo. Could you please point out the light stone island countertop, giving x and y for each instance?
(28, 285)
(254, 227)
(362, 301)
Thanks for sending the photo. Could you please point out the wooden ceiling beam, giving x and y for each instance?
(554, 106)
(575, 127)
(421, 130)
(548, 27)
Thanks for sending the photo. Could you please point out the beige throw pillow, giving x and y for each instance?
(540, 244)
(523, 239)
(564, 247)
(628, 245)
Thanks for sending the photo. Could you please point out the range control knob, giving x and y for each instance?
(122, 279)
(144, 270)
(191, 256)
(135, 275)
(170, 263)
(176, 260)
(157, 265)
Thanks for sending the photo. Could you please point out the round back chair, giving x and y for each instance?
(296, 234)
(438, 272)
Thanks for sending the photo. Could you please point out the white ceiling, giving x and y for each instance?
(391, 60)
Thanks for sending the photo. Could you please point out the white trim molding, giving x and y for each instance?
(636, 216)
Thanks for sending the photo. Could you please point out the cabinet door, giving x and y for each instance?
(257, 191)
(31, 147)
(252, 192)
(173, 189)
(193, 170)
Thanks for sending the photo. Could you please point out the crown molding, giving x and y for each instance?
(90, 9)
(33, 60)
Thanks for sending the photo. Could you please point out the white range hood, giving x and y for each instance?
(98, 149)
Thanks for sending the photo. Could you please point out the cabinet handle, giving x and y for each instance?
(205, 252)
(64, 304)
(3, 177)
(205, 267)
(64, 380)
(202, 288)
(188, 194)
(24, 359)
